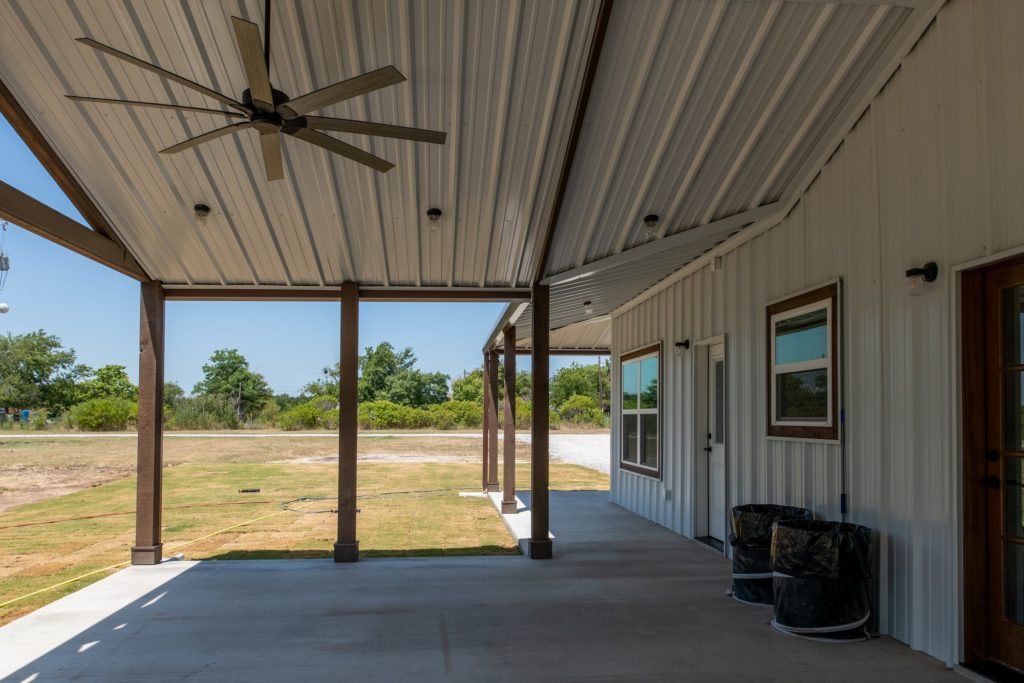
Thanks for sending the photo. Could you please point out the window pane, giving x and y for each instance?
(629, 385)
(1014, 578)
(802, 396)
(719, 436)
(649, 383)
(650, 442)
(629, 438)
(1013, 411)
(801, 338)
(1013, 325)
(1013, 498)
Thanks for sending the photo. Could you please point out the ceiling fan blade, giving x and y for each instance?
(272, 159)
(344, 149)
(353, 87)
(156, 105)
(206, 137)
(251, 50)
(379, 129)
(124, 56)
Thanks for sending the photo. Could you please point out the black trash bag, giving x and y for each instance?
(751, 540)
(752, 524)
(815, 548)
(821, 573)
(751, 577)
(832, 608)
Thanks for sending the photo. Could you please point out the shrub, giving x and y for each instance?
(317, 413)
(303, 416)
(38, 419)
(578, 409)
(524, 413)
(103, 414)
(455, 415)
(388, 415)
(203, 412)
(269, 412)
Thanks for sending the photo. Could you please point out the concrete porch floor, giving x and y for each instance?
(623, 600)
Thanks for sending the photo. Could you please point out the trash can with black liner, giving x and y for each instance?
(820, 574)
(751, 540)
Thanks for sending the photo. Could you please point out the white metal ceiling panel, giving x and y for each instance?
(502, 78)
(704, 109)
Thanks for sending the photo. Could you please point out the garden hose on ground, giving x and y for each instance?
(286, 505)
(132, 512)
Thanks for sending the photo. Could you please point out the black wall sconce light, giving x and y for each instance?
(917, 278)
(680, 346)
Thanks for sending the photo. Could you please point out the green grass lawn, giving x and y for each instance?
(406, 509)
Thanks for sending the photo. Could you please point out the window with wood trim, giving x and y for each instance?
(640, 406)
(803, 377)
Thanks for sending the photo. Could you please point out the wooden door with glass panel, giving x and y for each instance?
(1003, 482)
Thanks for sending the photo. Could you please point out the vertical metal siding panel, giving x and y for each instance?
(932, 171)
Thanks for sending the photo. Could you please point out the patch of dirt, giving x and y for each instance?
(20, 484)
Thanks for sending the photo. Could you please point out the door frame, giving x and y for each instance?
(971, 399)
(700, 475)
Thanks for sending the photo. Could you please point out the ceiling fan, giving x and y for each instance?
(271, 112)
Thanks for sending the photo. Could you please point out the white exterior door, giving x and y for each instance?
(716, 443)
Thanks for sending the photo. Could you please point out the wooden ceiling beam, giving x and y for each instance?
(444, 294)
(520, 351)
(54, 165)
(386, 294)
(38, 218)
(590, 72)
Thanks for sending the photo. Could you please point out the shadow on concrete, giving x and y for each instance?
(271, 554)
(623, 600)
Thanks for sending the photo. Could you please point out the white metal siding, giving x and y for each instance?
(933, 171)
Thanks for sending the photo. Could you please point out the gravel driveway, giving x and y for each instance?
(588, 450)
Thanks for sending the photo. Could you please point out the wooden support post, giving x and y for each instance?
(148, 546)
(540, 537)
(508, 483)
(346, 549)
(486, 441)
(491, 389)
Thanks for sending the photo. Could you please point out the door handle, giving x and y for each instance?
(707, 449)
(991, 482)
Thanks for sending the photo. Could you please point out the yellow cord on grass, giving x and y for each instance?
(121, 564)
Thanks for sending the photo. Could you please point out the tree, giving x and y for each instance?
(582, 380)
(380, 368)
(36, 371)
(286, 401)
(415, 388)
(326, 385)
(470, 387)
(386, 375)
(228, 376)
(109, 381)
(172, 393)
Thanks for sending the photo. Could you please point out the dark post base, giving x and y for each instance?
(346, 552)
(147, 554)
(508, 508)
(541, 550)
(493, 488)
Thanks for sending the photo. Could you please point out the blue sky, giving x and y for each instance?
(94, 310)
